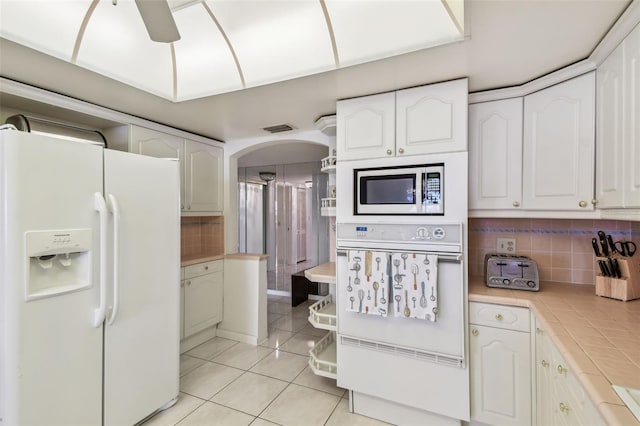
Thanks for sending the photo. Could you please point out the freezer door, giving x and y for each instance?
(50, 352)
(141, 355)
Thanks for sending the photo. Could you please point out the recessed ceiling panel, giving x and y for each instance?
(206, 65)
(369, 30)
(116, 44)
(276, 40)
(47, 26)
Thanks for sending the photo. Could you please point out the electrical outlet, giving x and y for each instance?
(506, 245)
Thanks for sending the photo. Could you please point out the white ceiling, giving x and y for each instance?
(509, 42)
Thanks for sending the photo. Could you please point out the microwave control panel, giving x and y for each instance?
(432, 190)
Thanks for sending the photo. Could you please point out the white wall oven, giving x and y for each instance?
(405, 190)
(401, 294)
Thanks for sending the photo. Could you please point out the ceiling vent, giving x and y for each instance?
(278, 128)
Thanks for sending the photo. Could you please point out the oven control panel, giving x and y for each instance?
(444, 237)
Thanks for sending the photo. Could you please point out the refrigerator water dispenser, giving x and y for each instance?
(58, 262)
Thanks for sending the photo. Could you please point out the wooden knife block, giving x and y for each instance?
(625, 288)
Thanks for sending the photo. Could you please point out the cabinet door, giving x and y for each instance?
(495, 154)
(366, 127)
(559, 143)
(543, 365)
(203, 177)
(631, 122)
(432, 118)
(609, 137)
(202, 302)
(500, 376)
(161, 145)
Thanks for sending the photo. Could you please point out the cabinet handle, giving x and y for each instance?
(564, 407)
(499, 317)
(389, 152)
(188, 282)
(516, 204)
(594, 201)
(582, 204)
(544, 363)
(401, 151)
(188, 206)
(538, 330)
(561, 369)
(206, 268)
(475, 332)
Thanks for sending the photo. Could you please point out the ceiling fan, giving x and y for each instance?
(158, 20)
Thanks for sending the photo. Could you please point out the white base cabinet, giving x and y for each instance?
(203, 296)
(561, 399)
(500, 357)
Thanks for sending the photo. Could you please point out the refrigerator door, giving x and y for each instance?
(141, 364)
(50, 352)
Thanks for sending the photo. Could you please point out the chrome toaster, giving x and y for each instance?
(511, 271)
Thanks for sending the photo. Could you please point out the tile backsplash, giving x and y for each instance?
(561, 247)
(201, 236)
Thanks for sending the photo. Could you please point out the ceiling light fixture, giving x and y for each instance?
(267, 176)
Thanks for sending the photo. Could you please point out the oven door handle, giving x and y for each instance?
(341, 253)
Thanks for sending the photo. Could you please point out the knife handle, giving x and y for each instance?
(603, 243)
(611, 244)
(616, 267)
(596, 249)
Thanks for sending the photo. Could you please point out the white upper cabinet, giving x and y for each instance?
(432, 118)
(201, 167)
(495, 154)
(618, 129)
(157, 144)
(366, 127)
(609, 159)
(203, 171)
(558, 146)
(631, 114)
(422, 120)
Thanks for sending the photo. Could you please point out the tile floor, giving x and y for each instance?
(223, 382)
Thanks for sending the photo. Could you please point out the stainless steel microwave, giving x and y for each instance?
(408, 190)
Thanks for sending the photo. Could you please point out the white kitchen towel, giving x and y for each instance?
(367, 282)
(415, 285)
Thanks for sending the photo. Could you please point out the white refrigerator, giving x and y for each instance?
(89, 298)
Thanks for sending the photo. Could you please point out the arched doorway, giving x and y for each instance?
(279, 192)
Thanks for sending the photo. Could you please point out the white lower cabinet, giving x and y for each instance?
(203, 296)
(561, 399)
(500, 365)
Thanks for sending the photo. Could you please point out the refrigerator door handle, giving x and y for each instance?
(101, 207)
(115, 210)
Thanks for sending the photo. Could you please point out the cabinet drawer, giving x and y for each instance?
(500, 316)
(203, 268)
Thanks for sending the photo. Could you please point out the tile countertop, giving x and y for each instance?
(324, 273)
(193, 260)
(599, 337)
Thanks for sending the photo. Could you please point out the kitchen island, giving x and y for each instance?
(598, 337)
